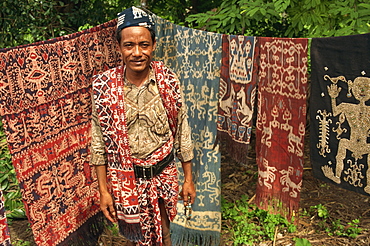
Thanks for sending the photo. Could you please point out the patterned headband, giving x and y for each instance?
(134, 17)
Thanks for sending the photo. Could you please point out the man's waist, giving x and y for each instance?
(150, 171)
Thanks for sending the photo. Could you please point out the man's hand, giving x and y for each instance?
(188, 192)
(106, 200)
(107, 206)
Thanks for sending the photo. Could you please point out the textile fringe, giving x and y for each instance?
(88, 233)
(237, 151)
(130, 231)
(288, 209)
(187, 237)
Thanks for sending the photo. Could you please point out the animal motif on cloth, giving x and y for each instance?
(45, 104)
(281, 119)
(237, 94)
(195, 57)
(340, 112)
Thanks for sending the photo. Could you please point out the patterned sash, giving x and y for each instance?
(109, 99)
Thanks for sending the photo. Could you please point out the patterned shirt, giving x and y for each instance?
(147, 124)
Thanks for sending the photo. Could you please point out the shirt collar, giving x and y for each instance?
(150, 80)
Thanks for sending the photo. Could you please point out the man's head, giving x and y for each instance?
(136, 41)
(134, 17)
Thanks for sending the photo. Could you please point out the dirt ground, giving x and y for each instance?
(238, 179)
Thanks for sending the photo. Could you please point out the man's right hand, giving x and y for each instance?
(107, 206)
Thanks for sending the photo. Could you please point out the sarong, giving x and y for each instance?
(340, 111)
(280, 127)
(4, 229)
(195, 57)
(45, 104)
(237, 94)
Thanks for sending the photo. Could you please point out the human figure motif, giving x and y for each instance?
(139, 120)
(358, 118)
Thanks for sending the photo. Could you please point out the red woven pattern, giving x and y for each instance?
(281, 122)
(45, 101)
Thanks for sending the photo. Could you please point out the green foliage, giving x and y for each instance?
(9, 184)
(176, 11)
(23, 22)
(335, 227)
(21, 242)
(302, 242)
(249, 224)
(286, 18)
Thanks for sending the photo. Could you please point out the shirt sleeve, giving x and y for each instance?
(183, 142)
(98, 155)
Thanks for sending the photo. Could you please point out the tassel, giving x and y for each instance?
(132, 232)
(88, 234)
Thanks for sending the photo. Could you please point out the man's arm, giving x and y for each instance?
(106, 200)
(99, 161)
(188, 189)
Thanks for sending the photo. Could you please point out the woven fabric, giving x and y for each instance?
(237, 94)
(340, 112)
(45, 104)
(281, 119)
(4, 229)
(195, 57)
(136, 200)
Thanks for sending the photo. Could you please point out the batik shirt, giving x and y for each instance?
(147, 124)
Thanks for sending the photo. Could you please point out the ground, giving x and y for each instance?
(240, 179)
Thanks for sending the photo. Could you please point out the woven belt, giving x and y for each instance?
(148, 172)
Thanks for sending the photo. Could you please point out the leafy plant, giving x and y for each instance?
(8, 182)
(20, 242)
(335, 227)
(302, 242)
(249, 224)
(286, 18)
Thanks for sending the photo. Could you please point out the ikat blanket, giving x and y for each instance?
(237, 93)
(340, 111)
(195, 57)
(45, 104)
(281, 120)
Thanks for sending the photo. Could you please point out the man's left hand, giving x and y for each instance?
(188, 192)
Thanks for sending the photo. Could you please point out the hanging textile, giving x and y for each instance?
(281, 120)
(45, 104)
(195, 57)
(4, 231)
(340, 112)
(237, 94)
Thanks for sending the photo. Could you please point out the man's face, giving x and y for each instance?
(137, 49)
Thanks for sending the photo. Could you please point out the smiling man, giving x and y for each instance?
(139, 124)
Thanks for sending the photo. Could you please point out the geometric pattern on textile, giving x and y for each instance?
(136, 200)
(4, 229)
(281, 119)
(237, 94)
(195, 57)
(45, 104)
(340, 111)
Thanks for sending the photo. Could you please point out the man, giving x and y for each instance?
(139, 118)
